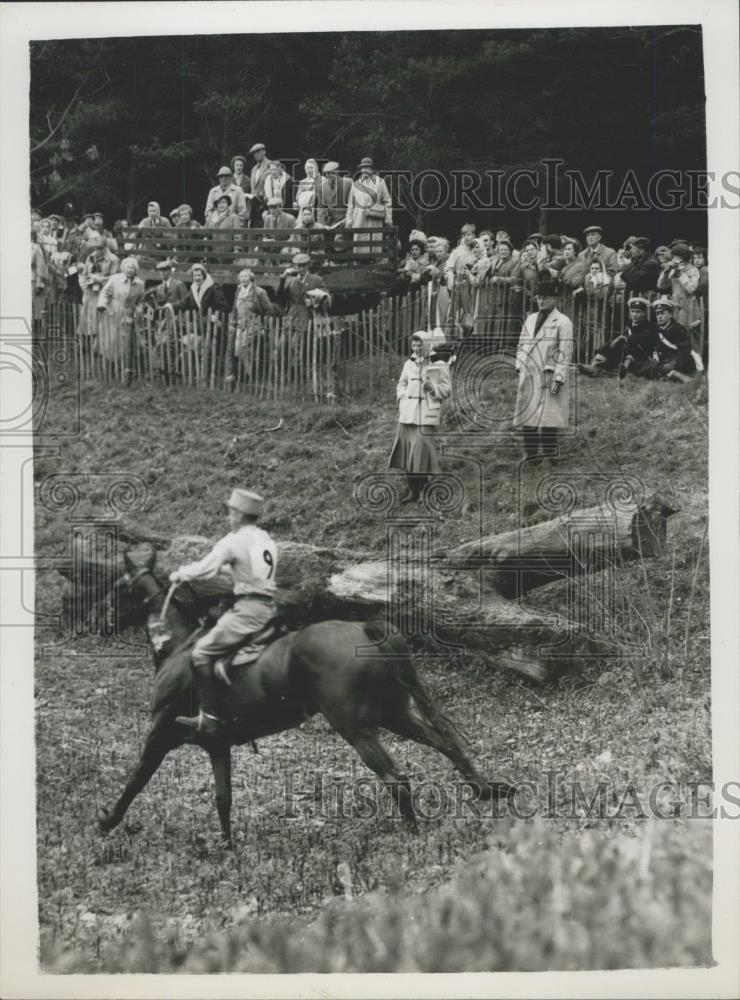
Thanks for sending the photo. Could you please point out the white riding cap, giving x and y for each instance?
(246, 502)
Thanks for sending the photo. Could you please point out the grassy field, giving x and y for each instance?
(309, 888)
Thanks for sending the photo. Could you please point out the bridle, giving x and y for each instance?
(169, 591)
(145, 571)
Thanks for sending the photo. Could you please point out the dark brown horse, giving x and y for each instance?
(359, 679)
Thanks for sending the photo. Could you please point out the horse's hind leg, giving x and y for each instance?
(425, 724)
(158, 744)
(220, 754)
(377, 758)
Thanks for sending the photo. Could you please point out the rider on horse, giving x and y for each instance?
(250, 556)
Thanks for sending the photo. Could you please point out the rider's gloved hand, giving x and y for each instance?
(175, 577)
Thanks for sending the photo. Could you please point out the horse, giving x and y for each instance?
(358, 677)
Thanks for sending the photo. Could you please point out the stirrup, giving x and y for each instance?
(203, 722)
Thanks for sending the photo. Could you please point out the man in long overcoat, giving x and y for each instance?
(369, 206)
(257, 178)
(170, 291)
(333, 195)
(543, 364)
(295, 282)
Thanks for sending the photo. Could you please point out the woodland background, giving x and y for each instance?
(116, 122)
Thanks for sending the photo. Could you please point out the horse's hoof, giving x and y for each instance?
(105, 821)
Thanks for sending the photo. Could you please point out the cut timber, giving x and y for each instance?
(456, 603)
(582, 541)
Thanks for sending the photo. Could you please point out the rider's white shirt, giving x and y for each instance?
(249, 553)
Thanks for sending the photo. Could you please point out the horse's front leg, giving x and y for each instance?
(220, 754)
(160, 741)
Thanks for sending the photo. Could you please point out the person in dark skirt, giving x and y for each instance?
(422, 388)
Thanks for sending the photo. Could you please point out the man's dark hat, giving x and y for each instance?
(640, 241)
(546, 284)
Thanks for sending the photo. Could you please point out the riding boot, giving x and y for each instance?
(207, 720)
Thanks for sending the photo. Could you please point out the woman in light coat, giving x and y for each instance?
(99, 265)
(251, 304)
(307, 189)
(421, 390)
(121, 305)
(276, 182)
(543, 363)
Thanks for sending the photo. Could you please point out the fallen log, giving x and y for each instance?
(579, 542)
(454, 603)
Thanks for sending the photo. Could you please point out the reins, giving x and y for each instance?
(170, 591)
(168, 598)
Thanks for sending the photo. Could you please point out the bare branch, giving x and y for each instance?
(55, 129)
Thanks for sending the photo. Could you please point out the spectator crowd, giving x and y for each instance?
(665, 289)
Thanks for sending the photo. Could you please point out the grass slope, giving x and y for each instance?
(311, 888)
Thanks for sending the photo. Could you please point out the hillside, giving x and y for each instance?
(640, 716)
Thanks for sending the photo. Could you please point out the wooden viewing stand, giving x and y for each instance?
(354, 260)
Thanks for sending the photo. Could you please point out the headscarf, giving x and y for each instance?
(430, 338)
(315, 167)
(197, 292)
(156, 205)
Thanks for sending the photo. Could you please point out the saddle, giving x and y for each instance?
(250, 649)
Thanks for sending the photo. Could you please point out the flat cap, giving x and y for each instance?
(257, 147)
(224, 172)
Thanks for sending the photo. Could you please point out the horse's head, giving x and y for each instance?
(145, 591)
